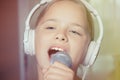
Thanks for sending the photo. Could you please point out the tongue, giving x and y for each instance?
(51, 52)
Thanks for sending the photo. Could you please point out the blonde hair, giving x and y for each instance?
(88, 14)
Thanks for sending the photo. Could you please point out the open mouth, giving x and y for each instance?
(54, 50)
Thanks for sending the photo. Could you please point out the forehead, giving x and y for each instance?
(66, 9)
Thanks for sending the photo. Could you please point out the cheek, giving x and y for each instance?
(41, 38)
(78, 50)
(41, 47)
(38, 42)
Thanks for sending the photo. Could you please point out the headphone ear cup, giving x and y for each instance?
(89, 54)
(29, 43)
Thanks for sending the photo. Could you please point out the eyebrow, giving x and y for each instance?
(78, 25)
(54, 20)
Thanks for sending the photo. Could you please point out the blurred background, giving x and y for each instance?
(9, 40)
(107, 65)
(13, 61)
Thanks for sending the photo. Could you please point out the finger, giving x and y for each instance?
(57, 72)
(62, 66)
(56, 77)
(45, 69)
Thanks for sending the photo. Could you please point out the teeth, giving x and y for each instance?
(59, 49)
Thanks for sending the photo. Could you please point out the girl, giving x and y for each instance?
(64, 25)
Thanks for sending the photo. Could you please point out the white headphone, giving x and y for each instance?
(93, 47)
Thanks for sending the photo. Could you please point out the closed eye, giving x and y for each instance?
(50, 27)
(75, 32)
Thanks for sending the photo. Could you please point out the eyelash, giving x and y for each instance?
(75, 32)
(50, 27)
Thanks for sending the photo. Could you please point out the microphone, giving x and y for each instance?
(61, 57)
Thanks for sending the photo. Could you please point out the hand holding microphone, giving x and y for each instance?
(60, 68)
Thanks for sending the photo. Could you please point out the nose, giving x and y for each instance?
(61, 37)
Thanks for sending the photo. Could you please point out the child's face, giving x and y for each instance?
(64, 27)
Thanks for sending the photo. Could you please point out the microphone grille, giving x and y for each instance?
(61, 57)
